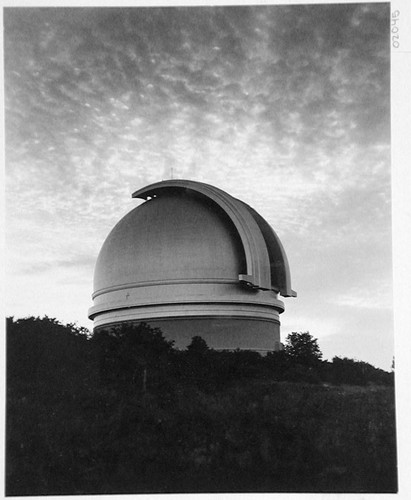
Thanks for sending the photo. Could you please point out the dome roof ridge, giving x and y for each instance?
(267, 263)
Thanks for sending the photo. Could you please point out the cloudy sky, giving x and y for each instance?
(284, 107)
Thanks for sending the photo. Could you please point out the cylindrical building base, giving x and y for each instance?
(220, 333)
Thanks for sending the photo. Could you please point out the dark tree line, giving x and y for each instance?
(123, 411)
(140, 354)
(137, 355)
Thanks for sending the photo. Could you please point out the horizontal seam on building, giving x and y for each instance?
(102, 309)
(187, 318)
(165, 282)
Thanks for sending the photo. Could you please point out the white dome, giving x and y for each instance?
(170, 238)
(192, 251)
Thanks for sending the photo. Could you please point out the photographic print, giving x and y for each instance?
(199, 262)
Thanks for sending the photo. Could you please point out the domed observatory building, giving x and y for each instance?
(193, 260)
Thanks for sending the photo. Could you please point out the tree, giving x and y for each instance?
(303, 348)
(197, 346)
(127, 352)
(44, 351)
(353, 372)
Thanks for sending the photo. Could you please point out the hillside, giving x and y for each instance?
(107, 416)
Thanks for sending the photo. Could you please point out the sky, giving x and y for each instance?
(285, 107)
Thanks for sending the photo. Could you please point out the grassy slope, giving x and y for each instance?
(254, 436)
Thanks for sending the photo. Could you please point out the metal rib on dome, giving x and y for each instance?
(266, 261)
(280, 269)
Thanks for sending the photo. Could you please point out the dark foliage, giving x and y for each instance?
(197, 346)
(124, 412)
(349, 371)
(133, 356)
(303, 348)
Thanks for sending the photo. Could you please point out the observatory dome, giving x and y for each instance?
(193, 260)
